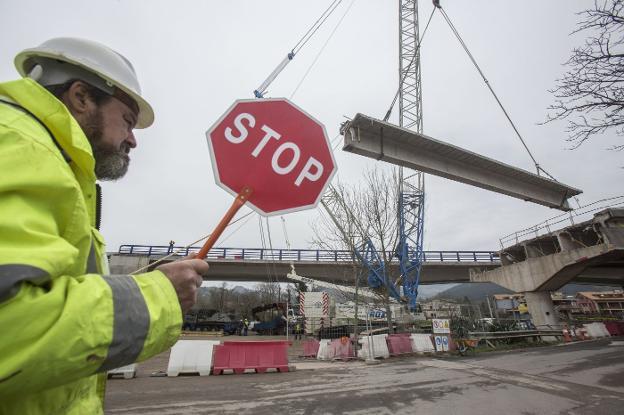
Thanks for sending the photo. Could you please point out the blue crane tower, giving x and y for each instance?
(411, 208)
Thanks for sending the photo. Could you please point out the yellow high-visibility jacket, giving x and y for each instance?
(63, 321)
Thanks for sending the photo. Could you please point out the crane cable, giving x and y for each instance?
(487, 83)
(187, 247)
(318, 55)
(261, 90)
(319, 22)
(274, 268)
(264, 247)
(285, 233)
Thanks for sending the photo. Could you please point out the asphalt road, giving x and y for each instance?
(579, 378)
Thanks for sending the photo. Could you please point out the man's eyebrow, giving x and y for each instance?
(133, 117)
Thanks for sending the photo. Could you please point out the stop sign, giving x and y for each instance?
(276, 149)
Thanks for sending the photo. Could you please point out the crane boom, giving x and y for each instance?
(363, 292)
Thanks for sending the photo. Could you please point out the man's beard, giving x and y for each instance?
(110, 163)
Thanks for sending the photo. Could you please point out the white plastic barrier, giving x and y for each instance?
(325, 352)
(128, 371)
(589, 330)
(421, 343)
(191, 356)
(596, 330)
(593, 331)
(378, 346)
(600, 330)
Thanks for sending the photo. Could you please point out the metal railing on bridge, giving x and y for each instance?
(319, 255)
(563, 220)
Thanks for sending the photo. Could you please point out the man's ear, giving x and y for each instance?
(78, 100)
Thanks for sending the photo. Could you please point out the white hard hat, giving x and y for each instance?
(89, 61)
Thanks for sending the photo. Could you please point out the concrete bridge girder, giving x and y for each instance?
(381, 140)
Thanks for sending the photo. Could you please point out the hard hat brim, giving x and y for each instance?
(24, 62)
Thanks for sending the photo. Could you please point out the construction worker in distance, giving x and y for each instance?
(65, 321)
(298, 330)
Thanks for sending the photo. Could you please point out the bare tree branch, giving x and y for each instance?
(590, 95)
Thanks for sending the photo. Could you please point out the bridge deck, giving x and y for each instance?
(337, 266)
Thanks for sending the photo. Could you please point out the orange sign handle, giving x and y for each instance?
(240, 200)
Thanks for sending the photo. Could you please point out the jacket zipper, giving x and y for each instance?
(98, 206)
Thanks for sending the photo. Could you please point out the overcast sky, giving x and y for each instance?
(195, 58)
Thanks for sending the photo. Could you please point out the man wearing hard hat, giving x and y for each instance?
(64, 320)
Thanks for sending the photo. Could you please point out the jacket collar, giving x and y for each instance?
(55, 115)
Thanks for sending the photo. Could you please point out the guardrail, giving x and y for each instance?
(318, 255)
(497, 335)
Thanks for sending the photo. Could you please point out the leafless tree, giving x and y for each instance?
(268, 292)
(365, 211)
(590, 96)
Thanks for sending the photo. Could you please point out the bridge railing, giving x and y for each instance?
(298, 255)
(563, 220)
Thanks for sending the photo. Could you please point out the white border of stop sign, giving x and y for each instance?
(237, 133)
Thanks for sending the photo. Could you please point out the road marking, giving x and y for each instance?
(504, 376)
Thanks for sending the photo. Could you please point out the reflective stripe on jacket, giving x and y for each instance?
(63, 323)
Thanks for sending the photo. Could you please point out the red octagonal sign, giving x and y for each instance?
(277, 149)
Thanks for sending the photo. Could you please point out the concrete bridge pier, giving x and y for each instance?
(541, 308)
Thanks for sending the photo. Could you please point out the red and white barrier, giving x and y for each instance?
(399, 344)
(259, 356)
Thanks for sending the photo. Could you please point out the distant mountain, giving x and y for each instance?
(476, 292)
(428, 291)
(239, 289)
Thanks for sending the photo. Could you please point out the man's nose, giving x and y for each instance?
(131, 139)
